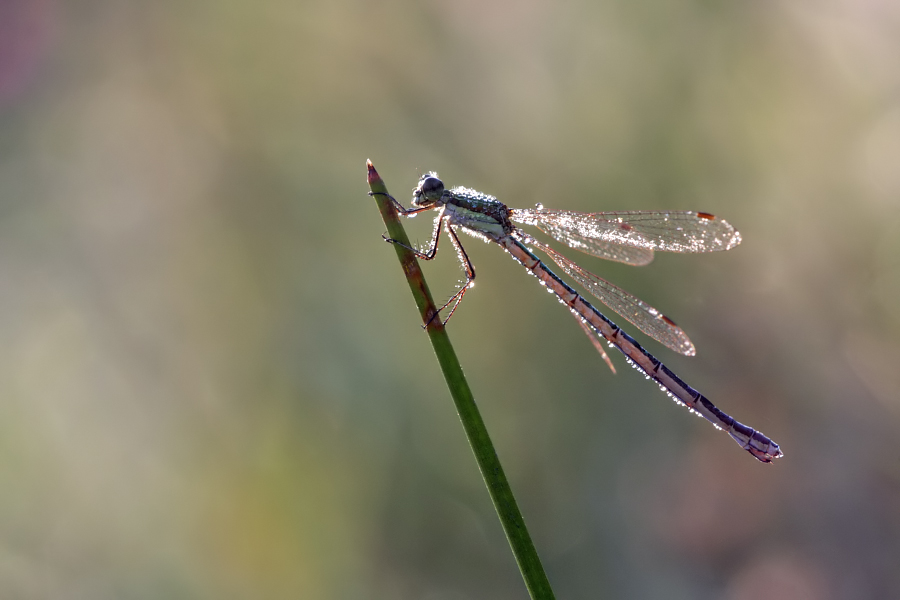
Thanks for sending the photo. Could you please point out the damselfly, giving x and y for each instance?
(628, 237)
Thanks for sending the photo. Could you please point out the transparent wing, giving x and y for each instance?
(636, 311)
(606, 234)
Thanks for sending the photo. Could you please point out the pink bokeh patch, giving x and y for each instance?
(25, 34)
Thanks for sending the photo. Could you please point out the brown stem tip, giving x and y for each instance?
(373, 175)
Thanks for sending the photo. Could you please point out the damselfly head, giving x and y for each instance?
(429, 190)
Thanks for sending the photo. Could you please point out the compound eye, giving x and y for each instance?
(431, 187)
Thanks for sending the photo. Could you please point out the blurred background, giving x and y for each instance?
(213, 380)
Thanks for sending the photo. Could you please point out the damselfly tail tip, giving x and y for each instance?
(767, 454)
(766, 458)
(755, 442)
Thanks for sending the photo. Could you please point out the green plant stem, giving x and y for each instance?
(498, 487)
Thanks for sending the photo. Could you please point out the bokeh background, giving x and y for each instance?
(213, 381)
